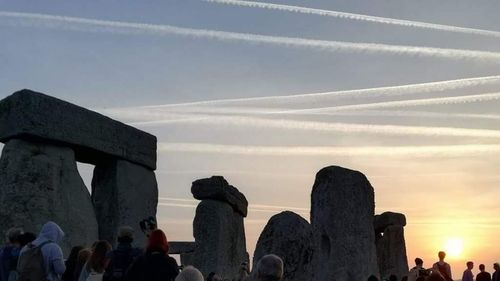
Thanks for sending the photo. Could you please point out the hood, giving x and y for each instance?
(51, 231)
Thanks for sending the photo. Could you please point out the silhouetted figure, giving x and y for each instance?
(421, 278)
(483, 275)
(468, 276)
(83, 257)
(435, 276)
(442, 267)
(71, 264)
(418, 270)
(97, 263)
(404, 278)
(190, 273)
(496, 274)
(373, 278)
(43, 256)
(155, 264)
(212, 276)
(9, 254)
(122, 257)
(393, 278)
(26, 238)
(269, 268)
(243, 272)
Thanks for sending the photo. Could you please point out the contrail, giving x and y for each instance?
(325, 97)
(94, 25)
(359, 17)
(371, 151)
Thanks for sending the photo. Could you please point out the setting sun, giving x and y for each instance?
(454, 247)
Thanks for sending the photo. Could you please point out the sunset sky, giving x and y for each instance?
(406, 92)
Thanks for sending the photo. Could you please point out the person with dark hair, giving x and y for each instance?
(71, 264)
(418, 270)
(483, 275)
(442, 267)
(468, 276)
(97, 263)
(122, 257)
(212, 276)
(155, 264)
(373, 278)
(496, 274)
(435, 276)
(393, 278)
(81, 260)
(26, 238)
(9, 254)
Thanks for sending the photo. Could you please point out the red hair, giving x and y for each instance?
(158, 241)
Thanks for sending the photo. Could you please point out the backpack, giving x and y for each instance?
(120, 262)
(31, 266)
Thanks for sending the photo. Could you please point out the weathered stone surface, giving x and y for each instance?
(391, 252)
(40, 183)
(217, 188)
(288, 236)
(34, 116)
(388, 218)
(123, 193)
(220, 239)
(342, 211)
(181, 247)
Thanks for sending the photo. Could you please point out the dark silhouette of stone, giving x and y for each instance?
(40, 182)
(34, 116)
(390, 242)
(288, 236)
(133, 191)
(217, 188)
(342, 211)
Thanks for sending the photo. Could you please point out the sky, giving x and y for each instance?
(406, 92)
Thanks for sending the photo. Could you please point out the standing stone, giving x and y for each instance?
(123, 193)
(40, 183)
(342, 210)
(218, 228)
(390, 241)
(288, 236)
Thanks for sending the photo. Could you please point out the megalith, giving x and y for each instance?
(288, 236)
(218, 228)
(40, 182)
(44, 138)
(342, 211)
(390, 243)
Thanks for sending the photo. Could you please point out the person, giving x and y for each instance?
(190, 273)
(372, 278)
(97, 263)
(26, 238)
(468, 276)
(420, 278)
(122, 257)
(496, 274)
(9, 254)
(483, 275)
(442, 267)
(81, 260)
(418, 270)
(269, 268)
(155, 264)
(393, 278)
(71, 264)
(243, 272)
(435, 276)
(212, 276)
(43, 256)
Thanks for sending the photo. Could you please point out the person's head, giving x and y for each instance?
(73, 257)
(82, 258)
(125, 235)
(481, 267)
(393, 278)
(404, 278)
(372, 278)
(435, 277)
(157, 241)
(496, 266)
(244, 267)
(441, 255)
(27, 238)
(148, 226)
(98, 260)
(52, 232)
(470, 265)
(270, 268)
(189, 273)
(13, 235)
(419, 262)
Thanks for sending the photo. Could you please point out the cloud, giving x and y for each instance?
(358, 17)
(366, 151)
(120, 27)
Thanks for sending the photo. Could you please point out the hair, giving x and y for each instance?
(442, 254)
(210, 276)
(71, 262)
(469, 263)
(26, 238)
(435, 277)
(81, 260)
(13, 234)
(157, 241)
(481, 267)
(190, 273)
(496, 264)
(419, 261)
(97, 260)
(125, 234)
(270, 268)
(372, 278)
(393, 278)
